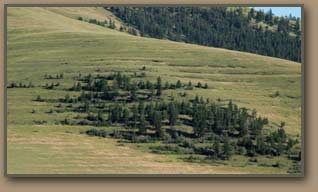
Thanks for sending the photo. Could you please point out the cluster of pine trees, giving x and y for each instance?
(20, 85)
(104, 90)
(218, 27)
(56, 76)
(110, 24)
(150, 115)
(230, 127)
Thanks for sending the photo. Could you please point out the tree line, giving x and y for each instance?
(147, 114)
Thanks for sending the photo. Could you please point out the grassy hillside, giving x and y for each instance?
(53, 41)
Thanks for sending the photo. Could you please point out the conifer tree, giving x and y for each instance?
(159, 86)
(227, 148)
(135, 115)
(178, 84)
(172, 113)
(158, 123)
(216, 147)
(142, 124)
(126, 116)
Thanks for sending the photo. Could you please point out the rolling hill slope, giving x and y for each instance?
(53, 41)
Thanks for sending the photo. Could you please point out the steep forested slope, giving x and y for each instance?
(236, 28)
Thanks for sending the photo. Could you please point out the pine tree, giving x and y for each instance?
(133, 93)
(135, 115)
(227, 148)
(158, 123)
(38, 98)
(189, 85)
(126, 116)
(166, 85)
(178, 84)
(86, 106)
(142, 124)
(199, 120)
(141, 107)
(159, 86)
(172, 113)
(216, 148)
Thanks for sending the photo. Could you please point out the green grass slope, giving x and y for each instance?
(53, 41)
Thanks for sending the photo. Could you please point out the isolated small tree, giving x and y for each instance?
(38, 98)
(30, 85)
(282, 125)
(189, 86)
(178, 84)
(159, 86)
(166, 85)
(112, 24)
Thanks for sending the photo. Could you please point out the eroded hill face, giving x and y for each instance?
(54, 41)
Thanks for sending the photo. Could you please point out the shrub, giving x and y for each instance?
(167, 139)
(96, 132)
(187, 143)
(276, 94)
(117, 134)
(142, 139)
(84, 122)
(277, 164)
(39, 99)
(94, 21)
(40, 122)
(167, 149)
(253, 160)
(241, 151)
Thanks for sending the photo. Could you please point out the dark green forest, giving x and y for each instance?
(253, 31)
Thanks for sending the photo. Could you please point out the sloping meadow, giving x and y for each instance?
(50, 51)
